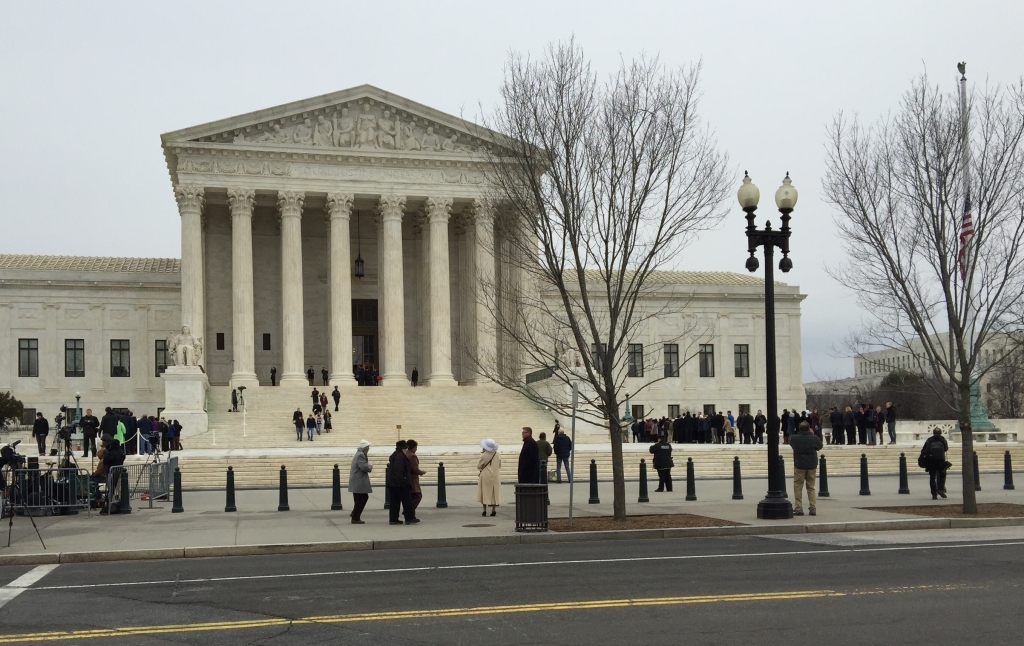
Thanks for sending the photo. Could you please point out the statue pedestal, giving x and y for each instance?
(185, 390)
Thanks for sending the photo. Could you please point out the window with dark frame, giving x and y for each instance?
(74, 357)
(636, 360)
(673, 410)
(120, 358)
(638, 411)
(741, 352)
(220, 340)
(266, 341)
(162, 356)
(671, 352)
(598, 356)
(28, 357)
(706, 358)
(744, 409)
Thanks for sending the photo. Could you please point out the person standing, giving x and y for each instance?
(933, 460)
(529, 459)
(310, 375)
(273, 375)
(176, 443)
(850, 424)
(728, 431)
(488, 490)
(310, 426)
(315, 396)
(234, 400)
(90, 427)
(760, 422)
(805, 446)
(336, 394)
(416, 494)
(327, 421)
(815, 420)
(870, 423)
(324, 375)
(544, 454)
(835, 418)
(297, 421)
(879, 425)
(40, 429)
(319, 417)
(562, 449)
(399, 483)
(662, 452)
(415, 377)
(359, 481)
(890, 421)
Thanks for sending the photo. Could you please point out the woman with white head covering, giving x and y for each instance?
(488, 491)
(359, 481)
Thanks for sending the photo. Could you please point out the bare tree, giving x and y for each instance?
(1005, 388)
(596, 187)
(901, 191)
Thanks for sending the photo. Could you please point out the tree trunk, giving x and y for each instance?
(618, 473)
(967, 453)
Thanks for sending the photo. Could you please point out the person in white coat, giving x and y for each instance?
(488, 490)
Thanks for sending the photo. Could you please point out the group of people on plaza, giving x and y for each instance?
(702, 428)
(402, 479)
(135, 435)
(862, 424)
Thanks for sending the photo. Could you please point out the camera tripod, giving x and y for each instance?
(11, 493)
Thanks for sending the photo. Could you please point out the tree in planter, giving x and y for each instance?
(932, 211)
(594, 189)
(10, 410)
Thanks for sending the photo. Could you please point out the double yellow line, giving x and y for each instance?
(130, 631)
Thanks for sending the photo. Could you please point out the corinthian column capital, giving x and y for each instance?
(482, 211)
(438, 209)
(241, 200)
(190, 197)
(339, 205)
(290, 203)
(391, 207)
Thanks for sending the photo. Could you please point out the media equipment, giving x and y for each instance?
(12, 493)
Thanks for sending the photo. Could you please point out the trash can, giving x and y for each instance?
(531, 508)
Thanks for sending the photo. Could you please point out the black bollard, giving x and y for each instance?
(176, 507)
(126, 497)
(282, 497)
(442, 495)
(865, 490)
(737, 482)
(594, 499)
(904, 481)
(336, 489)
(977, 473)
(229, 504)
(782, 477)
(1007, 471)
(822, 478)
(387, 491)
(643, 482)
(691, 481)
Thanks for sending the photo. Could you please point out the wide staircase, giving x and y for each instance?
(433, 416)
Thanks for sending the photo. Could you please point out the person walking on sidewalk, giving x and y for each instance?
(359, 481)
(488, 490)
(933, 460)
(663, 463)
(414, 464)
(399, 483)
(563, 449)
(805, 446)
(529, 459)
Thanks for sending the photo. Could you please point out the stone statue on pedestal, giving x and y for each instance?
(186, 349)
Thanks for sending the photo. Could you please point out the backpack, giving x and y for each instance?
(937, 452)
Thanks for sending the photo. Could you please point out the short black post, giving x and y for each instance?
(542, 478)
(691, 481)
(737, 482)
(904, 481)
(1007, 471)
(229, 504)
(282, 497)
(442, 495)
(387, 490)
(782, 477)
(594, 499)
(865, 490)
(126, 503)
(643, 482)
(176, 507)
(336, 489)
(977, 473)
(822, 478)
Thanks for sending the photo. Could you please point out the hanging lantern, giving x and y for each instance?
(360, 265)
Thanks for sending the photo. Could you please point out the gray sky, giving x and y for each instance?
(87, 88)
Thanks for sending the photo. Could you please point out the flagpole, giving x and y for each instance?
(966, 217)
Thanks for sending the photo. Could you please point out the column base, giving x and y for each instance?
(442, 381)
(395, 381)
(249, 380)
(774, 509)
(293, 379)
(343, 380)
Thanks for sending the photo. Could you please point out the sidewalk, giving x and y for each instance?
(204, 524)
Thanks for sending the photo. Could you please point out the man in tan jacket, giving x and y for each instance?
(414, 462)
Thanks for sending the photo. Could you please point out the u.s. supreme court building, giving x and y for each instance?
(343, 231)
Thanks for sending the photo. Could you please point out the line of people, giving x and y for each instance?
(137, 435)
(861, 425)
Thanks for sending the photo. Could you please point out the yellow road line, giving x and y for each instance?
(129, 631)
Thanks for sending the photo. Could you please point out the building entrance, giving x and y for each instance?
(365, 351)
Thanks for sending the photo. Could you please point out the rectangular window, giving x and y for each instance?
(28, 357)
(74, 357)
(637, 410)
(220, 340)
(671, 359)
(28, 416)
(598, 356)
(162, 355)
(266, 341)
(673, 410)
(636, 360)
(744, 409)
(706, 358)
(120, 358)
(741, 351)
(709, 409)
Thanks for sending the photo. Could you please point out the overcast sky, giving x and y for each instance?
(86, 89)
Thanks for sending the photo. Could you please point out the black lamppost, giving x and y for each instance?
(775, 505)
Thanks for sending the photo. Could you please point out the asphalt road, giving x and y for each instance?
(709, 591)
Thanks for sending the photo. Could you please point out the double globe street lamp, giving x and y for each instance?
(775, 504)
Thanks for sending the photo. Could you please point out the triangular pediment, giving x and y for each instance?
(362, 119)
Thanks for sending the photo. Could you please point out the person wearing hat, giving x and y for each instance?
(359, 481)
(488, 491)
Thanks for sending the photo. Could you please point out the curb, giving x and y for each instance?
(515, 539)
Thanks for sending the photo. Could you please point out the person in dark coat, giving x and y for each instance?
(234, 400)
(297, 421)
(399, 482)
(662, 461)
(805, 464)
(310, 426)
(324, 375)
(90, 430)
(273, 375)
(108, 425)
(850, 424)
(760, 422)
(933, 460)
(337, 398)
(415, 377)
(311, 376)
(40, 429)
(562, 446)
(835, 418)
(746, 424)
(677, 430)
(131, 429)
(890, 421)
(860, 421)
(529, 458)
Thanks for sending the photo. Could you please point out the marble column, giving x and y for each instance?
(484, 333)
(241, 202)
(193, 298)
(339, 210)
(438, 211)
(293, 342)
(391, 288)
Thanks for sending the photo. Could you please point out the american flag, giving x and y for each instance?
(966, 231)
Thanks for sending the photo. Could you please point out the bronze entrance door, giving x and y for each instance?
(365, 350)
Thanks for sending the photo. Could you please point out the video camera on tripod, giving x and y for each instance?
(10, 457)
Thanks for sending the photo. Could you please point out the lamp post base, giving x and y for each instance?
(774, 509)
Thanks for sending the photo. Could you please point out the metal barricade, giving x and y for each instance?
(50, 491)
(160, 476)
(150, 480)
